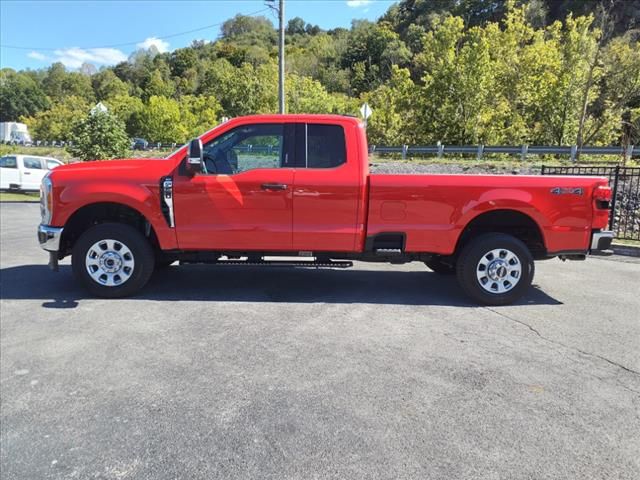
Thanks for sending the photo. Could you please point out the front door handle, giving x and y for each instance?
(273, 186)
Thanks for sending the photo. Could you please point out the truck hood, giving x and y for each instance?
(147, 170)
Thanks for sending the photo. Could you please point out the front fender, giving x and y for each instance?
(142, 198)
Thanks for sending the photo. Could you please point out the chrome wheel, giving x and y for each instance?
(499, 270)
(109, 262)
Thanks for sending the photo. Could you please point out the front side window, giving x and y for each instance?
(325, 146)
(8, 162)
(32, 163)
(245, 148)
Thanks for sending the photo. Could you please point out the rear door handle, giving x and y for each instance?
(273, 186)
(27, 173)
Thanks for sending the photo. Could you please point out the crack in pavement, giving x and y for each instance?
(589, 354)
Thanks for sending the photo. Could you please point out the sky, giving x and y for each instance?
(105, 32)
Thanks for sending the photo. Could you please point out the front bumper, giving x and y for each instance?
(49, 237)
(601, 240)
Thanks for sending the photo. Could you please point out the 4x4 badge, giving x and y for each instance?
(567, 191)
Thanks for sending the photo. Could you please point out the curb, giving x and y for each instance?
(628, 250)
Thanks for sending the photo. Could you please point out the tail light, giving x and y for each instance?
(602, 197)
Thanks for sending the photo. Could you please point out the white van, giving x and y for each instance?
(24, 172)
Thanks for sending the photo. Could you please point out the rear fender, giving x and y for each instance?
(494, 200)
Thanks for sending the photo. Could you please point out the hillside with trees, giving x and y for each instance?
(456, 71)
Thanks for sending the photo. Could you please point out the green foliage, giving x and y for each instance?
(58, 83)
(107, 85)
(455, 71)
(98, 135)
(159, 121)
(55, 123)
(20, 96)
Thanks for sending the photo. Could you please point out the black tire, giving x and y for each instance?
(438, 266)
(135, 242)
(469, 268)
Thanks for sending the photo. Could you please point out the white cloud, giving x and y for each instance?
(160, 44)
(36, 56)
(75, 57)
(358, 3)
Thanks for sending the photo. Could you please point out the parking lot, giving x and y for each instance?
(379, 371)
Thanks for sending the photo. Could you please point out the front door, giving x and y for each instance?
(9, 174)
(243, 200)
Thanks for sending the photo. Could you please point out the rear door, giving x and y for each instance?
(32, 172)
(9, 174)
(327, 189)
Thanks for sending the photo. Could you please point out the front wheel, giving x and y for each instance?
(495, 269)
(112, 260)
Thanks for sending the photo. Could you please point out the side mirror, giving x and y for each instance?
(194, 157)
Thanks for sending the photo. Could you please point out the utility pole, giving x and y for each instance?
(280, 10)
(281, 56)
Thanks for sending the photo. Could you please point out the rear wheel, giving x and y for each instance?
(112, 260)
(438, 266)
(495, 269)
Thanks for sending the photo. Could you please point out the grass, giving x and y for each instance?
(631, 243)
(19, 197)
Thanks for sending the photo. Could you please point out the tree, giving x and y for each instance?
(295, 26)
(247, 30)
(20, 96)
(159, 121)
(307, 96)
(126, 108)
(107, 85)
(98, 135)
(199, 114)
(55, 123)
(58, 83)
(392, 106)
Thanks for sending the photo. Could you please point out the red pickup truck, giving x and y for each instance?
(268, 186)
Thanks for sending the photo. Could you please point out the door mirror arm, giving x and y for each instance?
(195, 160)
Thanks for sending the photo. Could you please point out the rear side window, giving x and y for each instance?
(33, 163)
(325, 146)
(52, 164)
(8, 162)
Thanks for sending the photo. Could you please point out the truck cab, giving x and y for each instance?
(299, 185)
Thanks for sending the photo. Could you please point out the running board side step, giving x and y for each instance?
(280, 263)
(388, 251)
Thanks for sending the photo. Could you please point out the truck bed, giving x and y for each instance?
(432, 210)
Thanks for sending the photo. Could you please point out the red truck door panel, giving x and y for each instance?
(327, 189)
(244, 200)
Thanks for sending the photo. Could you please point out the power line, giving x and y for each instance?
(117, 45)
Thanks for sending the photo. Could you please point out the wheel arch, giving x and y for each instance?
(509, 221)
(96, 213)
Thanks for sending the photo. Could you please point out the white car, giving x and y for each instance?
(24, 172)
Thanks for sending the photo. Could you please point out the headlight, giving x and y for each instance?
(46, 200)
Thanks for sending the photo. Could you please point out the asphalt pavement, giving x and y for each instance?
(376, 372)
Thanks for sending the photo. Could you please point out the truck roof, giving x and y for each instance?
(296, 117)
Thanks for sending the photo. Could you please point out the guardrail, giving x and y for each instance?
(439, 150)
(523, 151)
(625, 202)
